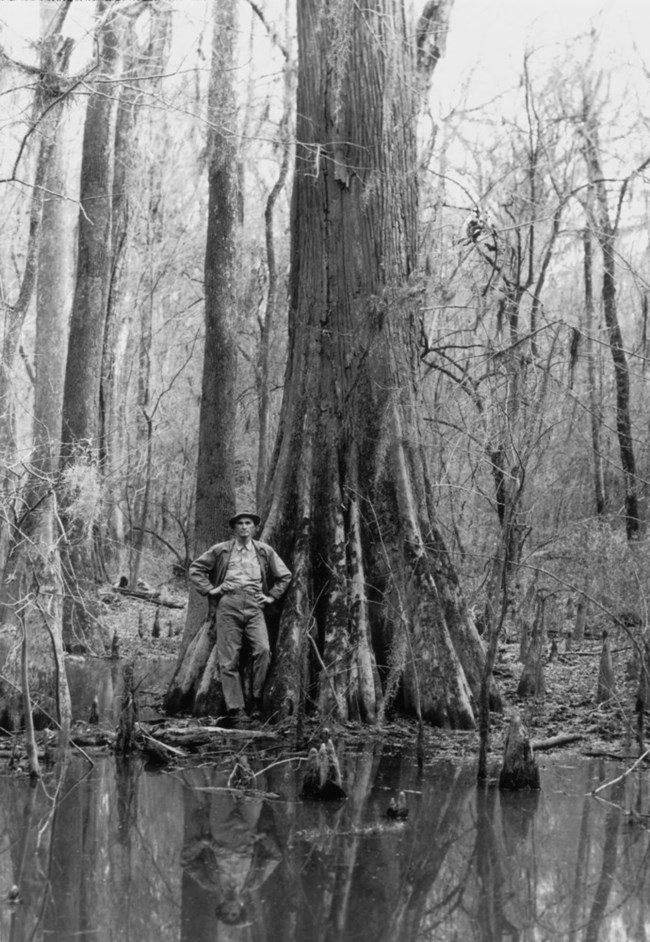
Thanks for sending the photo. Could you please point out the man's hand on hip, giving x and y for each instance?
(220, 589)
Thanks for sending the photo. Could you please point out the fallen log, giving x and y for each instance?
(554, 741)
(179, 753)
(203, 735)
(92, 737)
(153, 597)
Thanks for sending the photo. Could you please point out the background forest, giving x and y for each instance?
(532, 287)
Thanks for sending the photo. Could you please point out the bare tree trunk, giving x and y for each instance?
(595, 408)
(350, 498)
(605, 232)
(580, 622)
(215, 484)
(270, 313)
(81, 414)
(32, 586)
(48, 108)
(531, 682)
(119, 317)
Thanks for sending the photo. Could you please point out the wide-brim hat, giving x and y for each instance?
(244, 513)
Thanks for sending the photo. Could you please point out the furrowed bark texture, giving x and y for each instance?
(215, 486)
(80, 427)
(350, 501)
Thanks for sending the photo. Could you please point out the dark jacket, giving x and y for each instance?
(209, 570)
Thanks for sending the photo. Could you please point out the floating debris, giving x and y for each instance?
(13, 896)
(93, 716)
(397, 810)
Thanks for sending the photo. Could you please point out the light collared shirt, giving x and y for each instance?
(244, 568)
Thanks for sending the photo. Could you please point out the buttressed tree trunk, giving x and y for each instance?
(351, 505)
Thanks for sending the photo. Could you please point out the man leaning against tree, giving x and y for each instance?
(241, 576)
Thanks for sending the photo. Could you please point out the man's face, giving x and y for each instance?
(244, 528)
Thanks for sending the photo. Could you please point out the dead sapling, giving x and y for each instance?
(606, 685)
(155, 631)
(642, 702)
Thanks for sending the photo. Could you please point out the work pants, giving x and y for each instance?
(239, 616)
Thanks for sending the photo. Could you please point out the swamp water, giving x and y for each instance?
(141, 856)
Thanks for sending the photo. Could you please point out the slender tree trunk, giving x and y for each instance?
(351, 503)
(605, 232)
(270, 312)
(137, 259)
(595, 409)
(32, 589)
(119, 318)
(215, 484)
(81, 415)
(49, 105)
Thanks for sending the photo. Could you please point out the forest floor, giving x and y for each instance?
(567, 709)
(566, 718)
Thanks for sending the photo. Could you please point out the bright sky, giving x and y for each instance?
(489, 35)
(489, 38)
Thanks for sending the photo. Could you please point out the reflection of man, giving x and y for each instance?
(242, 575)
(226, 856)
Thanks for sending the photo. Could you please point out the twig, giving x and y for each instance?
(280, 762)
(624, 775)
(175, 751)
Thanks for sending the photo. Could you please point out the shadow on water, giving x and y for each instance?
(124, 854)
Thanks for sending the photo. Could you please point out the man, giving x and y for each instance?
(240, 577)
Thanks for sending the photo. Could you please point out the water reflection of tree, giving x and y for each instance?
(351, 874)
(469, 863)
(502, 910)
(634, 868)
(607, 871)
(117, 858)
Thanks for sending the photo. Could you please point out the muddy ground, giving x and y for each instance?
(568, 707)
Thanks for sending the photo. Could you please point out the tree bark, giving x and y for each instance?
(595, 407)
(605, 231)
(519, 769)
(81, 414)
(32, 586)
(350, 502)
(270, 312)
(215, 484)
(531, 682)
